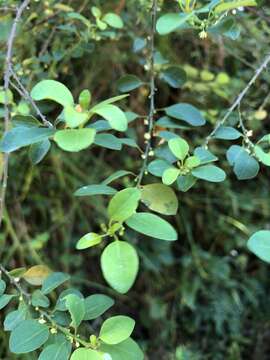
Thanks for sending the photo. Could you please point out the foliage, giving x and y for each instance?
(120, 179)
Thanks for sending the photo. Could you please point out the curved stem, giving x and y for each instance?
(150, 118)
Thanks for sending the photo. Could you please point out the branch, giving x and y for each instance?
(7, 75)
(150, 120)
(239, 98)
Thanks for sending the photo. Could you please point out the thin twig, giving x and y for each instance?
(239, 98)
(7, 76)
(148, 136)
(28, 97)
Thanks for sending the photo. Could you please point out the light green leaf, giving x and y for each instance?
(187, 113)
(171, 22)
(28, 336)
(86, 354)
(170, 175)
(233, 5)
(263, 156)
(179, 147)
(19, 137)
(116, 329)
(88, 240)
(124, 204)
(74, 118)
(128, 83)
(91, 190)
(52, 90)
(259, 244)
(85, 99)
(96, 305)
(115, 116)
(76, 307)
(120, 264)
(126, 350)
(153, 226)
(53, 281)
(160, 198)
(58, 351)
(118, 174)
(74, 140)
(210, 173)
(113, 20)
(192, 162)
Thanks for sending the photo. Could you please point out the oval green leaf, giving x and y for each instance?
(74, 140)
(52, 90)
(116, 329)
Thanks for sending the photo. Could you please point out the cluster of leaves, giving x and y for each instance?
(53, 324)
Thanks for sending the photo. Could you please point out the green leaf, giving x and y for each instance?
(153, 226)
(192, 162)
(39, 299)
(25, 121)
(28, 336)
(74, 118)
(224, 7)
(124, 204)
(186, 182)
(113, 20)
(86, 354)
(244, 165)
(160, 198)
(116, 329)
(19, 137)
(88, 240)
(187, 113)
(39, 150)
(126, 350)
(74, 140)
(108, 141)
(174, 76)
(58, 351)
(61, 301)
(115, 116)
(170, 175)
(118, 174)
(262, 156)
(2, 287)
(227, 133)
(91, 190)
(171, 22)
(85, 99)
(96, 305)
(13, 319)
(179, 147)
(53, 281)
(204, 155)
(120, 264)
(157, 167)
(52, 90)
(75, 306)
(259, 244)
(128, 82)
(210, 173)
(109, 101)
(4, 300)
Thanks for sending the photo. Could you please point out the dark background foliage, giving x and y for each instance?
(205, 296)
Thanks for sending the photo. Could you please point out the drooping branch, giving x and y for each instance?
(150, 119)
(239, 98)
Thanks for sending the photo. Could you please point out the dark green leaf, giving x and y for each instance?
(128, 82)
(38, 151)
(210, 173)
(187, 113)
(96, 305)
(174, 76)
(91, 190)
(53, 281)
